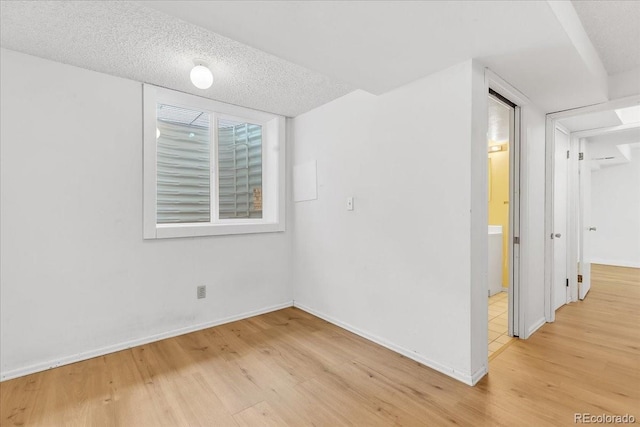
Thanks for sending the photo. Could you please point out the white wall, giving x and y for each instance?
(615, 212)
(397, 269)
(77, 279)
(479, 220)
(406, 268)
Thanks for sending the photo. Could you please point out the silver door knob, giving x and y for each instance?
(558, 235)
(592, 229)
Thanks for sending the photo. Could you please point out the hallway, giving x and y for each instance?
(588, 361)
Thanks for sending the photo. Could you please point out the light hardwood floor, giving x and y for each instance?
(290, 368)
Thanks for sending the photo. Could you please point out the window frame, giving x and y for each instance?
(273, 167)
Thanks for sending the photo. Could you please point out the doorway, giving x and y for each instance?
(598, 141)
(503, 224)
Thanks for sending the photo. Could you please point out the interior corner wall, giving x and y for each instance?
(398, 268)
(77, 279)
(615, 212)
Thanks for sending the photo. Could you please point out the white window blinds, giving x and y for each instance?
(239, 170)
(183, 165)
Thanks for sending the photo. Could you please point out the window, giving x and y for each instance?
(240, 169)
(210, 168)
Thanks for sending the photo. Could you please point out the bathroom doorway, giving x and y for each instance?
(503, 227)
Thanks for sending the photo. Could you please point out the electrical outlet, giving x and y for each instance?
(202, 292)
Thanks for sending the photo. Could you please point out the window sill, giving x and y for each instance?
(170, 231)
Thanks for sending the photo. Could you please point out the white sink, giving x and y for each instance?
(494, 229)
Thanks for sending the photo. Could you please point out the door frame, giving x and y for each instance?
(551, 158)
(551, 122)
(516, 312)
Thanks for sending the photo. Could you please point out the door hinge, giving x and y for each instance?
(580, 156)
(567, 282)
(516, 240)
(567, 154)
(579, 278)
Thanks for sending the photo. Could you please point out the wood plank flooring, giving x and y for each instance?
(291, 368)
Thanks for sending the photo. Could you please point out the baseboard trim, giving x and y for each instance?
(460, 376)
(616, 263)
(537, 325)
(477, 376)
(38, 367)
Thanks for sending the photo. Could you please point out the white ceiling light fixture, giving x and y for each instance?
(201, 76)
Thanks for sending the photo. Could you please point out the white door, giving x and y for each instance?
(560, 178)
(586, 228)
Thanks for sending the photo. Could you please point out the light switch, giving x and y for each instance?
(349, 203)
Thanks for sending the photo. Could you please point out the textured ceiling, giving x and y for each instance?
(374, 45)
(378, 46)
(612, 25)
(132, 41)
(322, 49)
